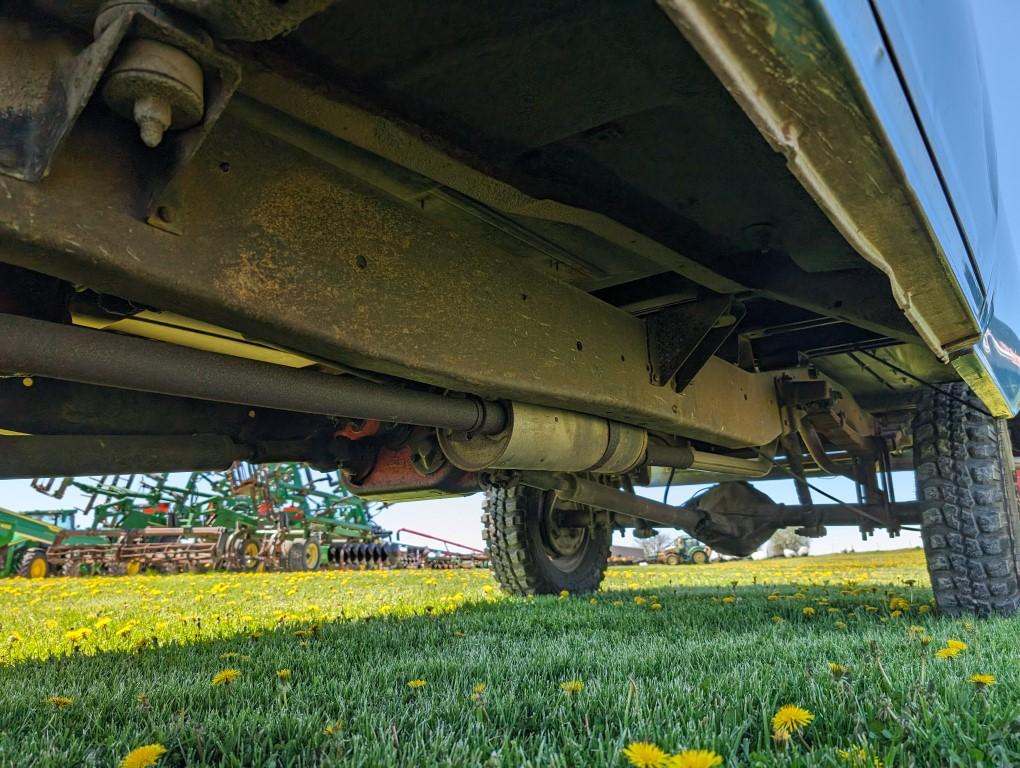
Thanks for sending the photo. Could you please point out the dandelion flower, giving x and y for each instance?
(333, 728)
(100, 623)
(899, 604)
(77, 635)
(808, 611)
(225, 676)
(656, 606)
(564, 594)
(858, 756)
(143, 757)
(695, 758)
(949, 652)
(982, 680)
(60, 701)
(283, 674)
(643, 754)
(478, 689)
(416, 684)
(958, 645)
(837, 670)
(790, 718)
(639, 600)
(729, 599)
(570, 687)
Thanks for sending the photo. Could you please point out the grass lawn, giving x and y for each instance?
(687, 657)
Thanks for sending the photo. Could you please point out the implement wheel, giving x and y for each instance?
(301, 555)
(672, 559)
(699, 557)
(966, 482)
(531, 554)
(33, 565)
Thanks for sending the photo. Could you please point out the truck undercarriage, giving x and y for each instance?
(555, 250)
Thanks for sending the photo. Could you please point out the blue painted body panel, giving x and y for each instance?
(924, 66)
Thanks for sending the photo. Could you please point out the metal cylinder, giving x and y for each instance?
(78, 354)
(68, 456)
(685, 457)
(547, 438)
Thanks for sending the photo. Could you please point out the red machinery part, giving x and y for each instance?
(394, 477)
(356, 430)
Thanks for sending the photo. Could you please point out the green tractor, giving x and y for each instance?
(685, 549)
(24, 539)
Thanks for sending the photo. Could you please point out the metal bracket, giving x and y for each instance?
(31, 137)
(682, 339)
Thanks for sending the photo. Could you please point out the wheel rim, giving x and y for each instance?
(698, 558)
(311, 555)
(564, 547)
(38, 568)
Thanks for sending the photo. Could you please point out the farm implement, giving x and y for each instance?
(275, 517)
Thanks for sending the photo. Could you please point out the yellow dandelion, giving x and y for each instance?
(790, 718)
(949, 652)
(982, 680)
(564, 594)
(858, 756)
(958, 645)
(14, 637)
(656, 606)
(283, 674)
(777, 619)
(77, 635)
(729, 599)
(60, 701)
(333, 728)
(643, 754)
(478, 689)
(639, 600)
(225, 676)
(102, 622)
(837, 670)
(808, 611)
(695, 758)
(143, 757)
(416, 684)
(570, 687)
(899, 604)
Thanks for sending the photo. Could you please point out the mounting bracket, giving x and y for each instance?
(682, 339)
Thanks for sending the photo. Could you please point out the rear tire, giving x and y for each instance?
(970, 524)
(33, 564)
(672, 559)
(699, 557)
(530, 556)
